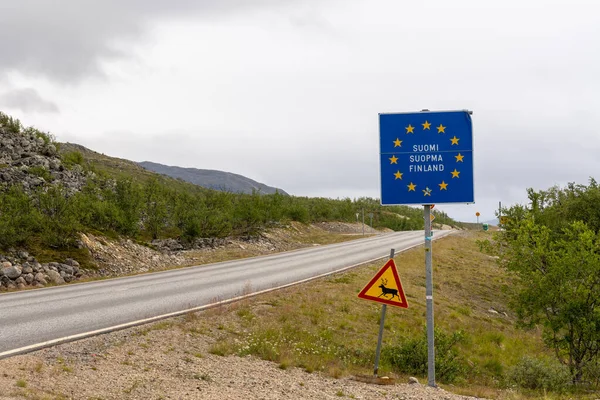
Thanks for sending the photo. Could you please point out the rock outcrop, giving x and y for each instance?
(22, 270)
(29, 158)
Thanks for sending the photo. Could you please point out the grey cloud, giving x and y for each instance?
(289, 107)
(67, 40)
(27, 100)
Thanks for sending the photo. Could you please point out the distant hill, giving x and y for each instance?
(493, 222)
(212, 179)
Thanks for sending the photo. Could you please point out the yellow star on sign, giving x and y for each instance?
(426, 125)
(459, 157)
(443, 185)
(397, 143)
(426, 192)
(441, 129)
(454, 140)
(455, 173)
(411, 187)
(410, 129)
(394, 160)
(398, 175)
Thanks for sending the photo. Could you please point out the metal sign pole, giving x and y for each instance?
(426, 158)
(378, 351)
(429, 297)
(363, 221)
(499, 213)
(381, 324)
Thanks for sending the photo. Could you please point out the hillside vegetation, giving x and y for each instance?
(117, 197)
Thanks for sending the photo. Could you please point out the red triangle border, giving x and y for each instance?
(390, 264)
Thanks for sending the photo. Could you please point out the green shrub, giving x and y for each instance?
(536, 373)
(298, 213)
(60, 217)
(411, 356)
(46, 137)
(40, 172)
(494, 367)
(19, 219)
(13, 125)
(72, 158)
(591, 374)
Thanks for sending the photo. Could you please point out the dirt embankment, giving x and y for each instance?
(125, 257)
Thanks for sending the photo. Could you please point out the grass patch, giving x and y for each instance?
(220, 348)
(161, 326)
(44, 254)
(38, 367)
(322, 326)
(245, 313)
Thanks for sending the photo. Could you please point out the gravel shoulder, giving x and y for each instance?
(167, 361)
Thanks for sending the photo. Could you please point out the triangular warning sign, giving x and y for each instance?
(385, 287)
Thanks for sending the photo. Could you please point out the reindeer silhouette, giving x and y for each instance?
(385, 290)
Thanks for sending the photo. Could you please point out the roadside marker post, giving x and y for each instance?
(426, 158)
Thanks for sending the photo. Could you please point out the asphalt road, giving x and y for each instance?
(34, 319)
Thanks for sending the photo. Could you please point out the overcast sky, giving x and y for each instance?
(288, 92)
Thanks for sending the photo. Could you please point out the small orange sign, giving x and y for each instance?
(385, 287)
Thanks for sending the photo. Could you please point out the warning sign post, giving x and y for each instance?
(386, 288)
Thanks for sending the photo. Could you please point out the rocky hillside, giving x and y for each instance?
(55, 196)
(30, 158)
(212, 179)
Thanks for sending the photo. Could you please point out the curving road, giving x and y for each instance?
(33, 319)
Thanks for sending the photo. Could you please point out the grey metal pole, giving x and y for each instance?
(363, 215)
(499, 212)
(379, 339)
(381, 325)
(429, 298)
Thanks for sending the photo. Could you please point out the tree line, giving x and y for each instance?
(149, 206)
(154, 209)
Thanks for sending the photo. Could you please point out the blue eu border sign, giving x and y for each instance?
(426, 158)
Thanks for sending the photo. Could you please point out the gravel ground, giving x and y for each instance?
(167, 361)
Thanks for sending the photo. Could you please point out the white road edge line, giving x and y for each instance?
(72, 338)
